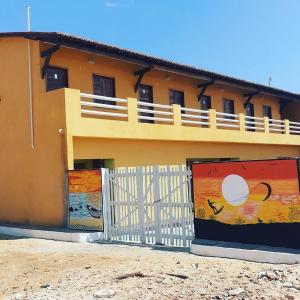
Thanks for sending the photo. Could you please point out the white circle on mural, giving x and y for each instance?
(235, 189)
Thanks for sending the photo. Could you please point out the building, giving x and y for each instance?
(68, 102)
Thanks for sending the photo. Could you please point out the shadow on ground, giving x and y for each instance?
(11, 237)
(152, 247)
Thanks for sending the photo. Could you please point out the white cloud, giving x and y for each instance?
(118, 3)
(111, 3)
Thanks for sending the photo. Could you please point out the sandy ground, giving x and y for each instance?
(40, 269)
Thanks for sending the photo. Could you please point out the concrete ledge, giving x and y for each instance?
(53, 234)
(256, 253)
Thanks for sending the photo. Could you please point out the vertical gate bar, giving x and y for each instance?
(157, 205)
(123, 209)
(129, 204)
(118, 203)
(111, 204)
(132, 203)
(151, 202)
(119, 217)
(106, 203)
(140, 202)
(186, 207)
(132, 188)
(147, 195)
(181, 186)
(134, 184)
(160, 191)
(166, 210)
(163, 212)
(173, 205)
(150, 199)
(113, 198)
(146, 209)
(191, 207)
(177, 206)
(113, 209)
(121, 205)
(166, 207)
(171, 218)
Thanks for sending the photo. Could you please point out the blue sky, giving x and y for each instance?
(248, 39)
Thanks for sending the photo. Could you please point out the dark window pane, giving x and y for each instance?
(146, 95)
(103, 86)
(228, 108)
(267, 111)
(205, 102)
(249, 111)
(176, 97)
(56, 78)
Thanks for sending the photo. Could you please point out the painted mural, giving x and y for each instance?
(85, 200)
(247, 201)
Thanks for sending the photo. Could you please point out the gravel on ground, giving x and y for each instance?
(43, 269)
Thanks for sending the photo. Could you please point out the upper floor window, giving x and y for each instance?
(146, 95)
(205, 102)
(103, 86)
(176, 97)
(267, 111)
(249, 111)
(228, 107)
(56, 78)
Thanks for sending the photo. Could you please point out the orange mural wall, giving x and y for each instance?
(85, 200)
(246, 200)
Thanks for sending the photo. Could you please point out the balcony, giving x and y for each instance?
(131, 119)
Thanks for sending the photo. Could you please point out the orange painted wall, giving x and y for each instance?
(80, 77)
(31, 180)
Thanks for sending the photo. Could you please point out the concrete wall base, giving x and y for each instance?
(53, 234)
(256, 253)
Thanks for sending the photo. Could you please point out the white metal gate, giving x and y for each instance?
(150, 205)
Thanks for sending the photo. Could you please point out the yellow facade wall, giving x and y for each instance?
(141, 153)
(32, 179)
(80, 77)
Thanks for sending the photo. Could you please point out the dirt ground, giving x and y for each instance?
(40, 269)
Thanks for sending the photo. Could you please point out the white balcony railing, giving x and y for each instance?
(254, 123)
(276, 126)
(155, 112)
(190, 116)
(107, 107)
(118, 109)
(227, 120)
(294, 127)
